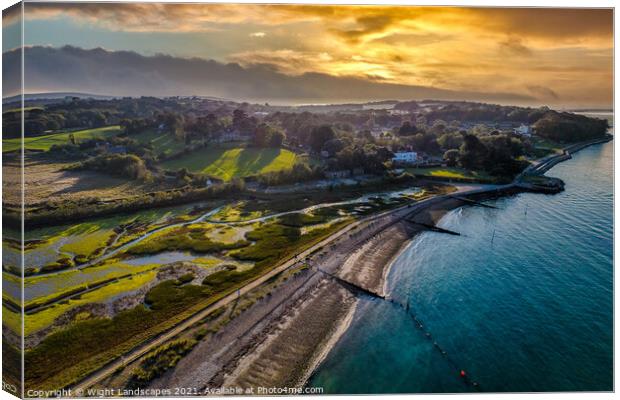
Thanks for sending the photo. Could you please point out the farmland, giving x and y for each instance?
(45, 142)
(230, 163)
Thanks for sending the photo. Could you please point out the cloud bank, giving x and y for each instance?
(126, 73)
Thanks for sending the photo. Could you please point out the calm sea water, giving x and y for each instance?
(529, 310)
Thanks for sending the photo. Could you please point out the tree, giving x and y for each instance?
(449, 141)
(472, 153)
(319, 136)
(243, 123)
(439, 127)
(262, 135)
(207, 127)
(277, 138)
(451, 157)
(502, 151)
(407, 129)
(333, 146)
(425, 142)
(567, 127)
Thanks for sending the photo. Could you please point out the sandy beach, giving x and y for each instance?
(283, 337)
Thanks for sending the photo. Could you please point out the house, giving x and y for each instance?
(405, 157)
(524, 130)
(233, 136)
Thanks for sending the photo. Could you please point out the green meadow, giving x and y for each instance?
(230, 163)
(163, 142)
(450, 173)
(45, 142)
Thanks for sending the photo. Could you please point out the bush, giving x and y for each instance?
(298, 220)
(184, 239)
(123, 165)
(62, 263)
(159, 361)
(200, 334)
(80, 259)
(300, 172)
(187, 278)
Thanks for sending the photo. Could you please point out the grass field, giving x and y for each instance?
(450, 173)
(229, 163)
(43, 143)
(163, 142)
(547, 144)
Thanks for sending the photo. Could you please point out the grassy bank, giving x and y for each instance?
(451, 173)
(45, 142)
(229, 163)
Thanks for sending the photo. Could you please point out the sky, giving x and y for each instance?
(305, 53)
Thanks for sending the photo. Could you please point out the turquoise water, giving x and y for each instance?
(529, 310)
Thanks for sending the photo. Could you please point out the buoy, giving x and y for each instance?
(463, 374)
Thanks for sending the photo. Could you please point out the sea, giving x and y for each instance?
(522, 301)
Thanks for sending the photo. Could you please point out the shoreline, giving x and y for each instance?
(340, 330)
(565, 155)
(299, 324)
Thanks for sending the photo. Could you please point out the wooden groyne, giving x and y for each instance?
(354, 288)
(472, 202)
(434, 228)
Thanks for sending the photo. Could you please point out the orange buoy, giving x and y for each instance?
(463, 373)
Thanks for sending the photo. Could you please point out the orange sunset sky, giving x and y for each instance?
(561, 57)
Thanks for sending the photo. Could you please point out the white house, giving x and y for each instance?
(405, 157)
(524, 130)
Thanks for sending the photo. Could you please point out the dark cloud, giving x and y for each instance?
(125, 73)
(515, 46)
(543, 92)
(413, 39)
(368, 24)
(549, 23)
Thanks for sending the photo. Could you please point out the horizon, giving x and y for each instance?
(40, 95)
